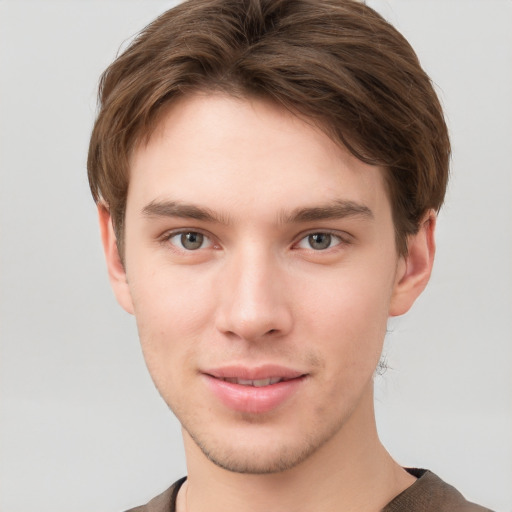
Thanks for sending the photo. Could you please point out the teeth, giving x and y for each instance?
(261, 382)
(258, 383)
(246, 382)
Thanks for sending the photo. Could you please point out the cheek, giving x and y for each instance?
(354, 302)
(170, 299)
(348, 317)
(171, 312)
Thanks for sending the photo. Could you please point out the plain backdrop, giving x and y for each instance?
(82, 427)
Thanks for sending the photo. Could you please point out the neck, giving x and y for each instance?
(351, 471)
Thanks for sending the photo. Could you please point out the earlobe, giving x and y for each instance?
(415, 268)
(115, 267)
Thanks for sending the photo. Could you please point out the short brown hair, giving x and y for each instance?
(337, 62)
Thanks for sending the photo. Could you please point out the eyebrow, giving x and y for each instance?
(337, 210)
(181, 210)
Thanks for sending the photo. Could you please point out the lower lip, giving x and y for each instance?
(252, 399)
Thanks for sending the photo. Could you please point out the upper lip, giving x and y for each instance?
(267, 371)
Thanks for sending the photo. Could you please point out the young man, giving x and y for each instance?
(267, 175)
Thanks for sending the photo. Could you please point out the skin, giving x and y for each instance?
(257, 289)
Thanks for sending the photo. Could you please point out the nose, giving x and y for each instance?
(253, 303)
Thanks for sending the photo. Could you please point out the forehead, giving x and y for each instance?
(238, 154)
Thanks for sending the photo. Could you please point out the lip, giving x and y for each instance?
(266, 371)
(251, 399)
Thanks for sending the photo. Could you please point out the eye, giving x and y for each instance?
(190, 240)
(319, 241)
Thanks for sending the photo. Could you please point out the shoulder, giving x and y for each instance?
(163, 502)
(430, 493)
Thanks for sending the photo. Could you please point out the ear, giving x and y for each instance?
(115, 267)
(415, 268)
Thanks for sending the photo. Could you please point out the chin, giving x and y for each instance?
(254, 462)
(258, 456)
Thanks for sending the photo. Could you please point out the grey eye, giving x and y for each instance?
(319, 241)
(188, 241)
(191, 241)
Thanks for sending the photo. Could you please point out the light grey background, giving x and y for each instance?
(82, 427)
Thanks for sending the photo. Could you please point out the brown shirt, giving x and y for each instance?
(428, 494)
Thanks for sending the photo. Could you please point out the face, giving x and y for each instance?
(261, 267)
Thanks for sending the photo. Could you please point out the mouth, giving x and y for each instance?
(254, 391)
(261, 376)
(257, 383)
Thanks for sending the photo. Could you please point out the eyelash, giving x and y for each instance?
(341, 240)
(167, 239)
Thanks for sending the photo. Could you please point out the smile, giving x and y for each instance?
(258, 383)
(254, 391)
